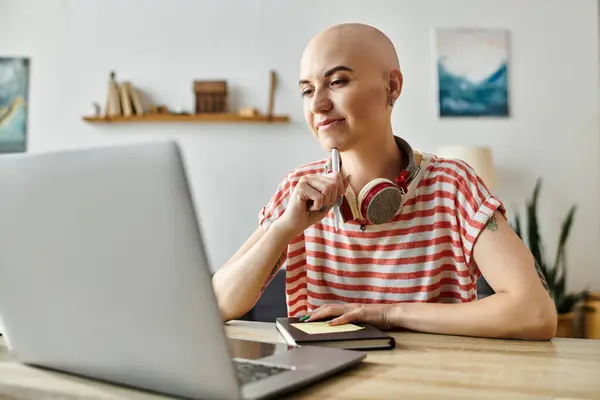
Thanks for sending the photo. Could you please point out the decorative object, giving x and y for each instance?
(472, 72)
(134, 98)
(249, 111)
(567, 303)
(478, 157)
(159, 109)
(272, 86)
(14, 102)
(591, 320)
(113, 101)
(126, 103)
(122, 99)
(211, 96)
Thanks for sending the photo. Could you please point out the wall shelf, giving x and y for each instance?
(190, 118)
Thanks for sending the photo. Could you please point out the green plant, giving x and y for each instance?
(556, 273)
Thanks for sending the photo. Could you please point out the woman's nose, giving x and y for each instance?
(321, 102)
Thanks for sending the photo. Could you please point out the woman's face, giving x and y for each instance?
(345, 94)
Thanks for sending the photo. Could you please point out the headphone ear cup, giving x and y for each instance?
(384, 205)
(379, 201)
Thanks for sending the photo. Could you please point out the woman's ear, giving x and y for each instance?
(395, 81)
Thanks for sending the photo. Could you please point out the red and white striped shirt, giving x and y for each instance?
(422, 255)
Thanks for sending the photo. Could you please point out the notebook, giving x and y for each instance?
(355, 336)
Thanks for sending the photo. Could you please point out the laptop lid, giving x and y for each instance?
(103, 272)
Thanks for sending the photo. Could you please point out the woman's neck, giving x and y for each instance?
(371, 160)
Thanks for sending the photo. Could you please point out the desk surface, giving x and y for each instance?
(422, 366)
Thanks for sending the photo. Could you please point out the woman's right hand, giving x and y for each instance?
(311, 200)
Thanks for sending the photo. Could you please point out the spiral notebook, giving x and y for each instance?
(355, 336)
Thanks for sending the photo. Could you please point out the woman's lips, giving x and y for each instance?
(329, 123)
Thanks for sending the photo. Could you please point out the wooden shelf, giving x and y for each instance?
(187, 118)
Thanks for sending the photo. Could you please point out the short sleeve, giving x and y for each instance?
(277, 204)
(476, 205)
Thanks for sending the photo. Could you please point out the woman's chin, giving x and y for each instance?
(340, 142)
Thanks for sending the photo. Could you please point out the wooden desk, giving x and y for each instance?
(422, 366)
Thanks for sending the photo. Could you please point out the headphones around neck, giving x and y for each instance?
(380, 200)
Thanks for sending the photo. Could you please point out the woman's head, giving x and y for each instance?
(349, 76)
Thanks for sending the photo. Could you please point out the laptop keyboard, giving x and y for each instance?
(251, 371)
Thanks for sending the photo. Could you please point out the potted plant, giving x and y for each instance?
(556, 272)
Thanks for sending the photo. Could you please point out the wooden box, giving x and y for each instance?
(211, 96)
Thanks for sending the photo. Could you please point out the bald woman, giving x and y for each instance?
(418, 230)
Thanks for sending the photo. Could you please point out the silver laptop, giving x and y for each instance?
(103, 274)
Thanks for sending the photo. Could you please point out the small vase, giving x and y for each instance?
(113, 102)
(565, 325)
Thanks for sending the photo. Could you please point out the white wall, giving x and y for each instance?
(163, 45)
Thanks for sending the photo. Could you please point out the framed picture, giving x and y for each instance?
(14, 101)
(472, 67)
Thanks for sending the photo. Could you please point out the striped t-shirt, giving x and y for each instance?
(422, 255)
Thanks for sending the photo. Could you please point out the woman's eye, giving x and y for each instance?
(306, 92)
(338, 82)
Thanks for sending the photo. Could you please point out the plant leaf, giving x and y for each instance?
(517, 227)
(556, 274)
(569, 300)
(535, 245)
(561, 260)
(559, 290)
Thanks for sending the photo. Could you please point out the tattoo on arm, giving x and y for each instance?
(491, 224)
(275, 269)
(542, 277)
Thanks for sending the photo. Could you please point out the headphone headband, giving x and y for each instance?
(412, 167)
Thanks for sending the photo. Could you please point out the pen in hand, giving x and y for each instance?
(335, 166)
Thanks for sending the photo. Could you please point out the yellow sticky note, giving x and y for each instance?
(313, 328)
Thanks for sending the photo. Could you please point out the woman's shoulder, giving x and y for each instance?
(448, 171)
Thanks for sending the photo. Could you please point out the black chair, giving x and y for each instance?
(483, 288)
(271, 304)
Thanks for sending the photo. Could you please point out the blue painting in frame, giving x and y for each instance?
(14, 102)
(472, 69)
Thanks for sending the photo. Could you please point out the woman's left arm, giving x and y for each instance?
(522, 307)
